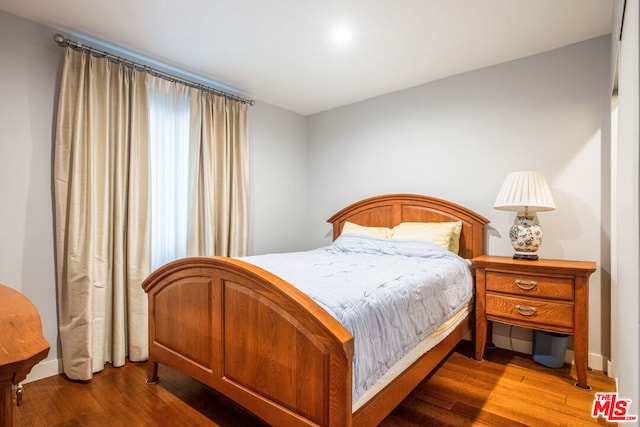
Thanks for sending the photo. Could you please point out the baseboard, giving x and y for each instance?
(513, 343)
(610, 372)
(45, 369)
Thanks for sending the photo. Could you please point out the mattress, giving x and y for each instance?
(391, 294)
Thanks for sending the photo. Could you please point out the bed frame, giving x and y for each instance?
(267, 346)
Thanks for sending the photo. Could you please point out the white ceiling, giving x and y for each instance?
(282, 51)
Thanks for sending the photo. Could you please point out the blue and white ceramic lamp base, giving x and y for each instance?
(526, 237)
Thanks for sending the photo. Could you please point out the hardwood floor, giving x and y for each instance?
(506, 389)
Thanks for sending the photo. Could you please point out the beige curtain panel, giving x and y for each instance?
(218, 176)
(103, 207)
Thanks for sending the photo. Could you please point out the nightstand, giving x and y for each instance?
(548, 295)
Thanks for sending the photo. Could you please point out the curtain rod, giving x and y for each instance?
(64, 42)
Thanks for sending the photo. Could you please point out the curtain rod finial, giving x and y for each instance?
(59, 39)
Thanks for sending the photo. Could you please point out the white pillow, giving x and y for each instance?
(350, 227)
(445, 234)
(454, 245)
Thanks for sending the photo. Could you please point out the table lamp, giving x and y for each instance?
(526, 193)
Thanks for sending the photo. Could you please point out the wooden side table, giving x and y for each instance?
(21, 346)
(548, 295)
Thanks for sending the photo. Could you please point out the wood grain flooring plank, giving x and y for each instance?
(506, 389)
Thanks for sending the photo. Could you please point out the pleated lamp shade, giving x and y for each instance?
(525, 191)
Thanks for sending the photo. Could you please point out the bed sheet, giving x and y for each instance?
(389, 293)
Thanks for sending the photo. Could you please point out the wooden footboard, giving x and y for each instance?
(253, 337)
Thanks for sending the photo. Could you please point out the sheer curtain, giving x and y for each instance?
(145, 171)
(169, 131)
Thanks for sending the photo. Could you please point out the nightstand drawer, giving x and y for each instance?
(559, 314)
(560, 288)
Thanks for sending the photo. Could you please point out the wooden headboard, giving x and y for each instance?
(392, 209)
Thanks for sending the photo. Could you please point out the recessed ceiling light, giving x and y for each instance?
(342, 34)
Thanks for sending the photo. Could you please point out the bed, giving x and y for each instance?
(272, 349)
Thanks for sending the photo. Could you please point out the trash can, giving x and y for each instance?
(549, 348)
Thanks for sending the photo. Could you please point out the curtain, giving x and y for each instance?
(105, 157)
(101, 174)
(218, 180)
(169, 129)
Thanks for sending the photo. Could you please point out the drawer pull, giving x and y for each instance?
(526, 285)
(526, 310)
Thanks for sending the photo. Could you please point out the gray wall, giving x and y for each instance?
(278, 180)
(457, 138)
(28, 80)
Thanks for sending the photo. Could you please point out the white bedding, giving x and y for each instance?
(390, 294)
(414, 354)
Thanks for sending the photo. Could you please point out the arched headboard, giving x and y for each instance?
(393, 209)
